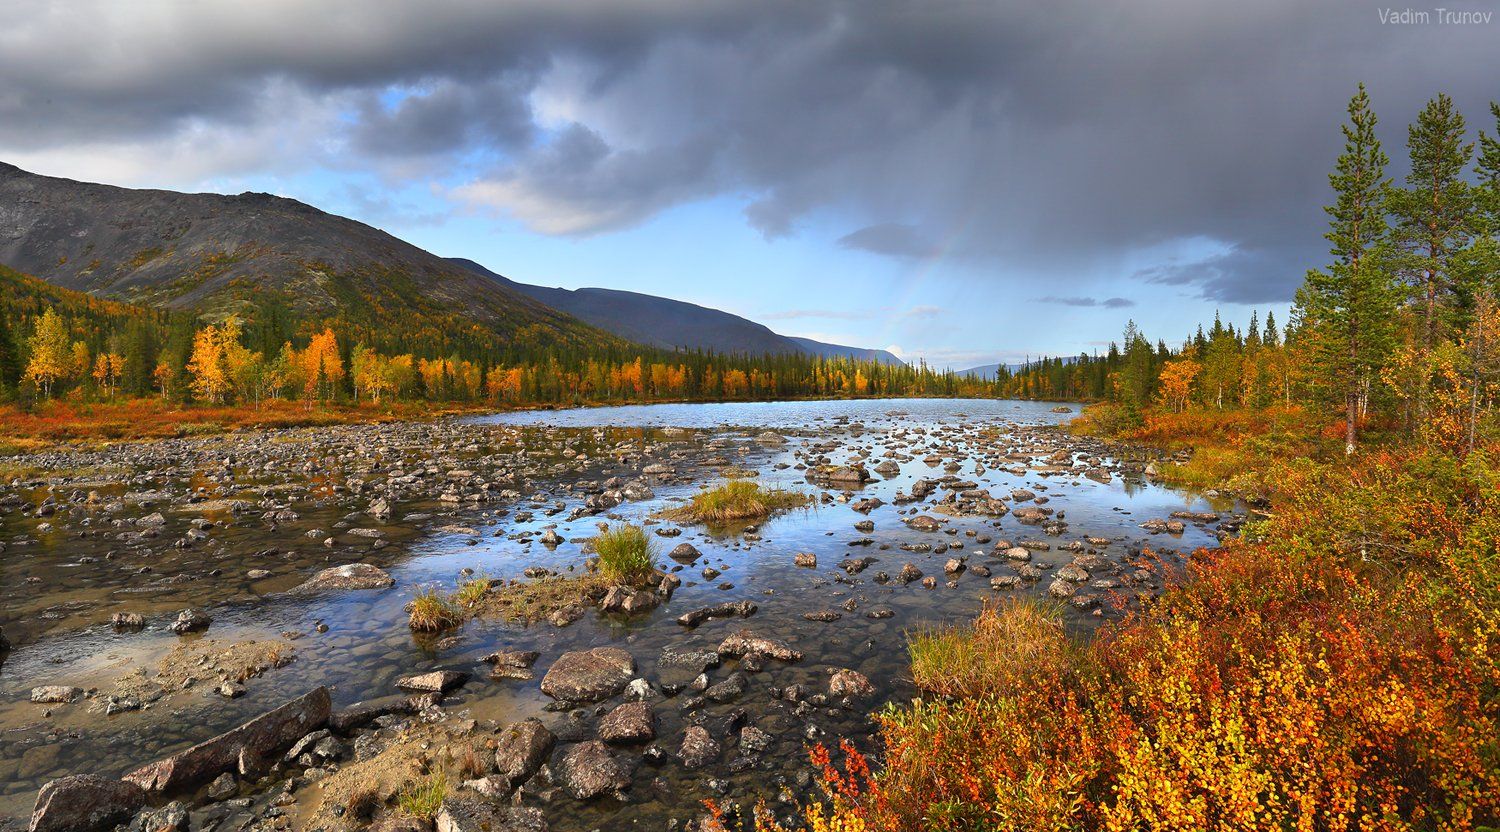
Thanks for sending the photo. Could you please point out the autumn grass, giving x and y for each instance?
(431, 611)
(424, 799)
(736, 500)
(999, 652)
(626, 554)
(470, 592)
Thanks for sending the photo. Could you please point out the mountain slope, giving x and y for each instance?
(839, 350)
(673, 324)
(212, 253)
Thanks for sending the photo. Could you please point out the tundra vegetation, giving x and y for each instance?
(1335, 667)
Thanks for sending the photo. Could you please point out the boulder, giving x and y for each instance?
(469, 814)
(589, 675)
(698, 748)
(589, 770)
(55, 694)
(629, 723)
(745, 643)
(346, 577)
(190, 621)
(629, 601)
(244, 749)
(847, 682)
(923, 523)
(521, 749)
(85, 803)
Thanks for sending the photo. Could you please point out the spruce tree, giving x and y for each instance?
(1349, 307)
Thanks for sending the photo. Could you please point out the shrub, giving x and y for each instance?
(736, 500)
(430, 612)
(626, 554)
(1341, 674)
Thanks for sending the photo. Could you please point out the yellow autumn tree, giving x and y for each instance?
(1177, 382)
(51, 358)
(208, 367)
(321, 366)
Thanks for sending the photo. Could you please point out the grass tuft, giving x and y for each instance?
(422, 800)
(736, 500)
(469, 593)
(430, 612)
(1001, 652)
(626, 554)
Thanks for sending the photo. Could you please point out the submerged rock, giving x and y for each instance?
(589, 770)
(347, 577)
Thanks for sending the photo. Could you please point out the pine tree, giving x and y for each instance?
(10, 360)
(1434, 213)
(1350, 306)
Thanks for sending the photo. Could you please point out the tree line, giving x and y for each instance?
(99, 355)
(1399, 331)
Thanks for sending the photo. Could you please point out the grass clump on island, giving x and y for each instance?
(626, 554)
(432, 611)
(736, 500)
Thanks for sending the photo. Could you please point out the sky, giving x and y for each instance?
(965, 182)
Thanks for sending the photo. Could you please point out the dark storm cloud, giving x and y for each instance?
(890, 238)
(1039, 137)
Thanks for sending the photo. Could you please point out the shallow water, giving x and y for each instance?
(367, 644)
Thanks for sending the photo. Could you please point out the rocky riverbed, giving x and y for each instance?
(166, 598)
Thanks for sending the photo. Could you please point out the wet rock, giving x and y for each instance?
(806, 560)
(746, 643)
(631, 722)
(909, 572)
(698, 749)
(190, 621)
(55, 694)
(521, 749)
(1060, 588)
(589, 770)
(589, 675)
(512, 664)
(127, 621)
(685, 553)
(172, 817)
(84, 803)
(923, 523)
(629, 601)
(730, 609)
(437, 681)
(845, 682)
(732, 688)
(854, 566)
(468, 814)
(350, 576)
(245, 748)
(822, 616)
(1005, 582)
(754, 739)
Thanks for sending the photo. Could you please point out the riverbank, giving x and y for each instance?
(923, 510)
(1335, 668)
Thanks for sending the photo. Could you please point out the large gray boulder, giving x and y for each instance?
(589, 675)
(85, 803)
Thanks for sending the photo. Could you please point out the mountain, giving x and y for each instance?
(839, 350)
(672, 324)
(215, 254)
(647, 319)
